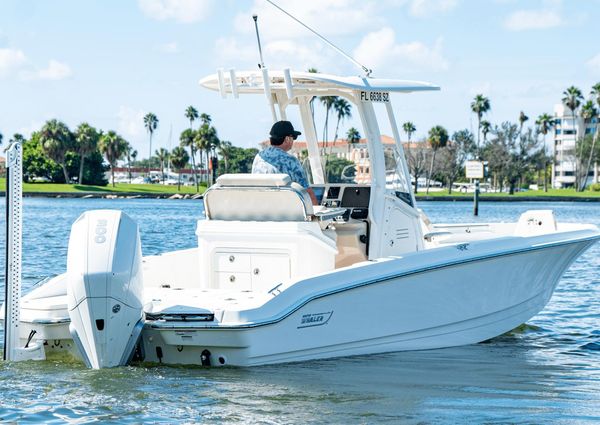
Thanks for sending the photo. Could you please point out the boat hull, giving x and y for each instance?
(447, 305)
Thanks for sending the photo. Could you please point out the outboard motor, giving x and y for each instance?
(104, 287)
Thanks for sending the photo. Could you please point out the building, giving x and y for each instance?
(567, 129)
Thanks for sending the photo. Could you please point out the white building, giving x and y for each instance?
(567, 129)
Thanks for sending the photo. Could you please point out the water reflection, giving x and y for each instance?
(547, 371)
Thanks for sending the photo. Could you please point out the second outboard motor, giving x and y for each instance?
(104, 287)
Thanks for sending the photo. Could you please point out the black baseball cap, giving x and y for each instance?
(283, 128)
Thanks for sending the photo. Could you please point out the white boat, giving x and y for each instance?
(275, 279)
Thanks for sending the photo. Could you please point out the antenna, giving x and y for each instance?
(262, 62)
(366, 70)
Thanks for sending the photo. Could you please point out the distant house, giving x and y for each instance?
(567, 129)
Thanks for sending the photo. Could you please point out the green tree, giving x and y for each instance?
(150, 124)
(353, 137)
(86, 142)
(328, 102)
(584, 161)
(409, 128)
(179, 160)
(36, 163)
(572, 99)
(480, 106)
(335, 167)
(57, 140)
(131, 154)
(454, 155)
(191, 114)
(225, 152)
(240, 159)
(163, 155)
(343, 110)
(522, 119)
(188, 140)
(544, 123)
(485, 129)
(114, 147)
(438, 137)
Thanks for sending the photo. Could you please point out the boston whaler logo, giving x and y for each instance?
(315, 319)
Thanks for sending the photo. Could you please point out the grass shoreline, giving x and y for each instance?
(56, 190)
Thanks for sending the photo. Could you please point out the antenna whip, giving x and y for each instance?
(262, 62)
(366, 70)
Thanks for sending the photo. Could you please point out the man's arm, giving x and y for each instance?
(313, 198)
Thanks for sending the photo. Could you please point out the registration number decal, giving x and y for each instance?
(375, 96)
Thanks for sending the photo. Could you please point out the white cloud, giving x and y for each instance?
(327, 17)
(130, 122)
(523, 20)
(424, 8)
(54, 71)
(278, 54)
(11, 60)
(168, 47)
(186, 11)
(379, 50)
(594, 64)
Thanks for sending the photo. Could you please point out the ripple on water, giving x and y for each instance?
(545, 371)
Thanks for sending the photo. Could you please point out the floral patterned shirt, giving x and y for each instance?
(273, 160)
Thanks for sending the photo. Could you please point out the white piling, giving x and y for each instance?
(14, 239)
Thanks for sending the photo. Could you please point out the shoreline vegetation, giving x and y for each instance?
(124, 190)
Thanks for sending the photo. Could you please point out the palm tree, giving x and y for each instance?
(225, 149)
(409, 128)
(187, 140)
(57, 140)
(343, 109)
(1, 139)
(480, 106)
(205, 119)
(595, 94)
(353, 137)
(544, 124)
(131, 154)
(179, 159)
(588, 113)
(328, 102)
(485, 129)
(191, 114)
(114, 147)
(438, 137)
(86, 142)
(522, 119)
(151, 124)
(572, 99)
(163, 155)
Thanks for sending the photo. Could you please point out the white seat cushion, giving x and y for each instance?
(276, 180)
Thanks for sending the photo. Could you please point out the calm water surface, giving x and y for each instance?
(547, 371)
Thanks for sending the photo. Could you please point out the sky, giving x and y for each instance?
(109, 62)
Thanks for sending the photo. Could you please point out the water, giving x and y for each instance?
(547, 371)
